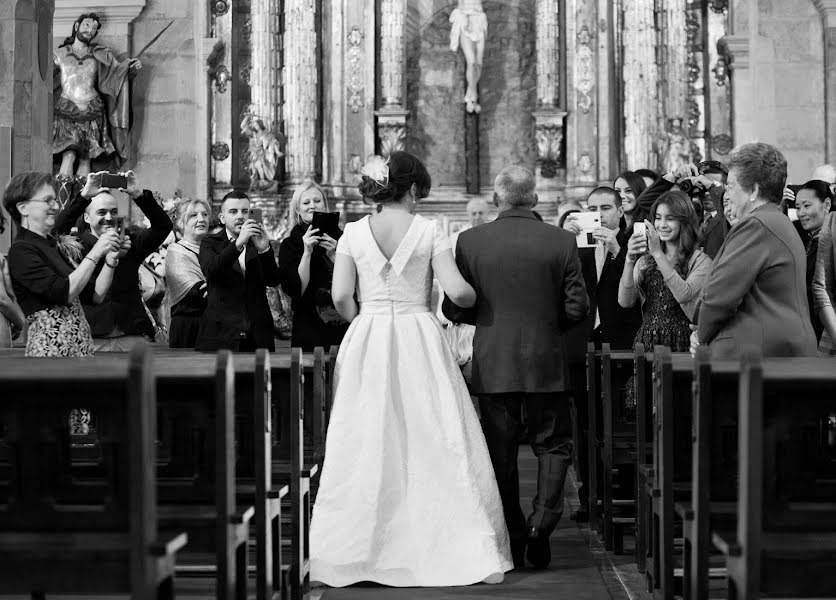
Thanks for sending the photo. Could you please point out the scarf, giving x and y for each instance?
(182, 271)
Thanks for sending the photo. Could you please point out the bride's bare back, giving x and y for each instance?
(389, 228)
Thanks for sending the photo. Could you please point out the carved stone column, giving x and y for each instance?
(827, 8)
(548, 118)
(737, 49)
(264, 75)
(391, 118)
(301, 85)
(640, 84)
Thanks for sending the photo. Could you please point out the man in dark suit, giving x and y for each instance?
(602, 267)
(238, 266)
(529, 291)
(122, 320)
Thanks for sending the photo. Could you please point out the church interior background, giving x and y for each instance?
(576, 90)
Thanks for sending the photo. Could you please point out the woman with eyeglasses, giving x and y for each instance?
(49, 275)
(12, 320)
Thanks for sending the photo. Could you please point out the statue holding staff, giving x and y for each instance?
(469, 30)
(91, 101)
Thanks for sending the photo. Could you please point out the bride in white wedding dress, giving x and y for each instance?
(407, 495)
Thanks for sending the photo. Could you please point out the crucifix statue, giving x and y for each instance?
(469, 29)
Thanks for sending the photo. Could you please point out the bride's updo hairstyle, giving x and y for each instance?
(387, 180)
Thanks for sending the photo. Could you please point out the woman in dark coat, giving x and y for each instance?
(306, 259)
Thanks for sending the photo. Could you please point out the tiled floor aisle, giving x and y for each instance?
(576, 572)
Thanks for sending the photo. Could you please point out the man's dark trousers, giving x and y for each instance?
(550, 436)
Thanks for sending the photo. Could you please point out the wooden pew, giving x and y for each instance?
(196, 481)
(618, 446)
(670, 478)
(593, 384)
(643, 376)
(784, 544)
(107, 542)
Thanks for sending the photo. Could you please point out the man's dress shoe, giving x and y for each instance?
(539, 552)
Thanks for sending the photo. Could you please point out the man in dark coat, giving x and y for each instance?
(239, 265)
(530, 291)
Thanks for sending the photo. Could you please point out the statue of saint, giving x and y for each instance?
(91, 101)
(469, 30)
(264, 153)
(677, 151)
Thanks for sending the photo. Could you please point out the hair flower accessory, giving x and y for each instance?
(377, 169)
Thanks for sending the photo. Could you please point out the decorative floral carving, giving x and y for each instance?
(392, 136)
(718, 6)
(692, 27)
(220, 151)
(247, 30)
(584, 69)
(693, 114)
(355, 69)
(549, 148)
(722, 143)
(693, 69)
(246, 73)
(585, 163)
(721, 71)
(220, 7)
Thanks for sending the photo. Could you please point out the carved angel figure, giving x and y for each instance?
(677, 150)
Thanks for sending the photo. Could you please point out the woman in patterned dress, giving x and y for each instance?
(666, 271)
(12, 320)
(49, 275)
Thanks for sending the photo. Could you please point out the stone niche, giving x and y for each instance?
(436, 84)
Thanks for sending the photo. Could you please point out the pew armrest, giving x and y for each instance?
(279, 493)
(169, 544)
(243, 516)
(685, 510)
(726, 542)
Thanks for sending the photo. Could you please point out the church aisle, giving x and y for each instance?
(574, 572)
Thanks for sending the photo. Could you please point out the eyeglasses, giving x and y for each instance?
(49, 200)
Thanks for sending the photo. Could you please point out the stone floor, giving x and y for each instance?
(580, 568)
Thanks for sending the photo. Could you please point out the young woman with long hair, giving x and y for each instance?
(665, 270)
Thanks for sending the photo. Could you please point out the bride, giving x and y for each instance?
(408, 496)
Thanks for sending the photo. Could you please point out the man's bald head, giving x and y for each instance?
(101, 213)
(825, 173)
(477, 211)
(514, 188)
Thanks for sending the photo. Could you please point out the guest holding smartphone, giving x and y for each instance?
(306, 259)
(665, 269)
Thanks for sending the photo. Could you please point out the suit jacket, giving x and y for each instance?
(618, 325)
(529, 291)
(714, 234)
(756, 293)
(237, 302)
(122, 308)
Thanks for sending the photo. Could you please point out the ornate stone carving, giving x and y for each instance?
(392, 136)
(220, 7)
(549, 149)
(584, 69)
(247, 27)
(722, 143)
(721, 71)
(245, 73)
(392, 51)
(677, 146)
(220, 151)
(263, 153)
(718, 6)
(263, 74)
(216, 70)
(355, 69)
(301, 88)
(585, 163)
(548, 53)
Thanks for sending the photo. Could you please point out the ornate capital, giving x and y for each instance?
(391, 130)
(736, 48)
(827, 10)
(548, 127)
(116, 15)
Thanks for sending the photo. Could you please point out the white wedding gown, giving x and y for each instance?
(408, 496)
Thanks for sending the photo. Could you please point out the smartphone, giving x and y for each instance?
(327, 223)
(640, 228)
(120, 226)
(114, 182)
(255, 215)
(588, 222)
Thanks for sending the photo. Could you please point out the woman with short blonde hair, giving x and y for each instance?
(185, 298)
(306, 258)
